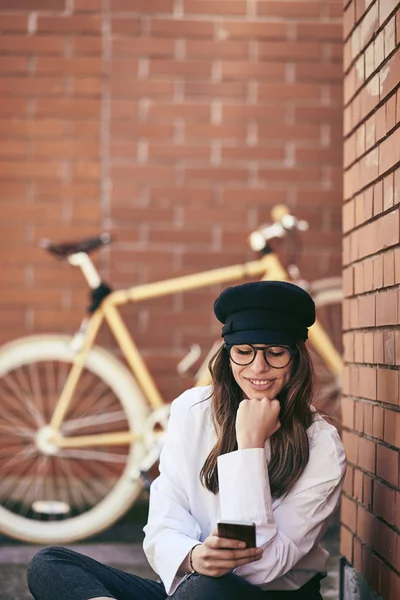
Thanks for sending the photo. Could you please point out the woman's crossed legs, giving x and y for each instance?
(57, 573)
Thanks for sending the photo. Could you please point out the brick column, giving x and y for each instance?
(370, 515)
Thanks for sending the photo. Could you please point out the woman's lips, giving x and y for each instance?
(260, 384)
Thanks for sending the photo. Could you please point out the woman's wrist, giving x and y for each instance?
(187, 564)
(191, 565)
(250, 445)
(245, 443)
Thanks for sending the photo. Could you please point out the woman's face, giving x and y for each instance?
(258, 379)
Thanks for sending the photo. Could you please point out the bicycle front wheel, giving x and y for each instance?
(51, 494)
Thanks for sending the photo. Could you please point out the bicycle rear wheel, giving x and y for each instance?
(328, 296)
(58, 495)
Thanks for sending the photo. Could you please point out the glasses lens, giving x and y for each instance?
(277, 356)
(242, 355)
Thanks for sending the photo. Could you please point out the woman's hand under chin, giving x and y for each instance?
(256, 420)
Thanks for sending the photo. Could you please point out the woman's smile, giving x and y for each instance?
(260, 383)
(259, 388)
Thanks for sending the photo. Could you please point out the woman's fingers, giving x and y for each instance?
(219, 542)
(230, 548)
(235, 561)
(246, 554)
(229, 554)
(233, 564)
(218, 567)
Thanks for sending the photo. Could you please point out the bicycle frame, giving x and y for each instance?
(268, 267)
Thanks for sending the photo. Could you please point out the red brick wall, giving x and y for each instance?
(176, 125)
(371, 255)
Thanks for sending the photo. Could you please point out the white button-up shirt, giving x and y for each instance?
(183, 512)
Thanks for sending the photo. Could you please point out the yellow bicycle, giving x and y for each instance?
(79, 428)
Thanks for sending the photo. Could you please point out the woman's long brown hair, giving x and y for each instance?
(289, 445)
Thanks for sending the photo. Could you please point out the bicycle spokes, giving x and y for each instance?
(48, 475)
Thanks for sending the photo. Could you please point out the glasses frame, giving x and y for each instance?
(292, 353)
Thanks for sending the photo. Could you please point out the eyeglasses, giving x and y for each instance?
(277, 357)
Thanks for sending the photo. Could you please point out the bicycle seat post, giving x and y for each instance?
(90, 273)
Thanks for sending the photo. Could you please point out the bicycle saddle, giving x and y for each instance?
(67, 248)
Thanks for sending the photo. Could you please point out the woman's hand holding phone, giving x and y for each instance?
(217, 556)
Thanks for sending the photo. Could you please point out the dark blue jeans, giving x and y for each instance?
(57, 573)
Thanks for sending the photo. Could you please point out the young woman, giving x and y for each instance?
(248, 448)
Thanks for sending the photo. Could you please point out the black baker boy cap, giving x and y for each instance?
(265, 312)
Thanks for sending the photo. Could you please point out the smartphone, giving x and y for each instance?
(238, 530)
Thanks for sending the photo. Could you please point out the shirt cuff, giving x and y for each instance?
(169, 574)
(245, 493)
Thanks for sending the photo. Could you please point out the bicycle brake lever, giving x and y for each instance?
(259, 239)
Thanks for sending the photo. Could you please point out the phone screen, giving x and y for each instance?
(238, 530)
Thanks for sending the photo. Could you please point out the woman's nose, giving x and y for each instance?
(259, 364)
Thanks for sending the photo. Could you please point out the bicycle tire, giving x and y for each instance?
(28, 361)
